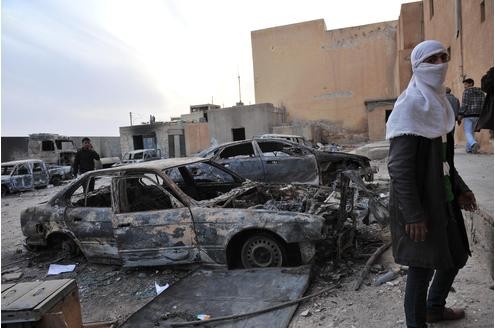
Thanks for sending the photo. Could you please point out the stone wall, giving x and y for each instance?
(255, 119)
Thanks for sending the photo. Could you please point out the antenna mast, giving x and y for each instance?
(239, 78)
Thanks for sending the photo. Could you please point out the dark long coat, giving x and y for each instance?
(417, 192)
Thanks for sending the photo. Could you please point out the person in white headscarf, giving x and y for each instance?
(426, 192)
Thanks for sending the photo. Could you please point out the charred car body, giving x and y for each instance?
(28, 174)
(186, 210)
(282, 161)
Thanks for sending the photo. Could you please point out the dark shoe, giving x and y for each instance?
(475, 149)
(446, 314)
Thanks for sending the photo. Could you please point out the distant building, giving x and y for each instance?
(198, 113)
(191, 134)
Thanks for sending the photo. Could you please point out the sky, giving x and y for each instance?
(80, 67)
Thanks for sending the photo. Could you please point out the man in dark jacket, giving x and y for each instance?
(486, 117)
(426, 192)
(454, 103)
(85, 160)
(472, 104)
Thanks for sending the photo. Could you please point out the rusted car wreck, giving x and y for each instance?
(274, 160)
(188, 210)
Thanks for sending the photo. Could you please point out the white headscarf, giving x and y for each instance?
(423, 109)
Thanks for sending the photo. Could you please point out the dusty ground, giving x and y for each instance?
(109, 292)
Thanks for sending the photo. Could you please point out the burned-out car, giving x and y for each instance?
(274, 160)
(24, 175)
(185, 210)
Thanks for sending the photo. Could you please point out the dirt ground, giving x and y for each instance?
(113, 293)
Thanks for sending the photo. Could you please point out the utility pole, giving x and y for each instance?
(239, 78)
(130, 117)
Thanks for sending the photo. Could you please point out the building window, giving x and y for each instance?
(432, 9)
(482, 10)
(238, 134)
(47, 145)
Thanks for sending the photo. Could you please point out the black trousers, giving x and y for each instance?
(419, 300)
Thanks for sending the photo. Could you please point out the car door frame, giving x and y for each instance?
(91, 226)
(239, 169)
(22, 182)
(42, 175)
(153, 237)
(293, 172)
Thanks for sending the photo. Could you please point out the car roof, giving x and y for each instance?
(23, 161)
(161, 164)
(140, 150)
(275, 135)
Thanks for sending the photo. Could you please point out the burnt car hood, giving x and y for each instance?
(324, 156)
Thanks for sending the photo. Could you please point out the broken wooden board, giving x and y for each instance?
(222, 292)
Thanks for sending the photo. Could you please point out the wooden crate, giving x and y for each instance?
(43, 304)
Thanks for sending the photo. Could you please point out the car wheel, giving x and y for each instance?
(64, 245)
(4, 191)
(56, 181)
(261, 251)
(69, 248)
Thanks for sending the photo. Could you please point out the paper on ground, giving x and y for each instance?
(59, 268)
(159, 288)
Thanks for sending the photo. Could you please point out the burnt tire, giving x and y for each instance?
(69, 248)
(263, 250)
(56, 181)
(64, 245)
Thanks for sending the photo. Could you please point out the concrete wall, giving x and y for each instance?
(197, 137)
(377, 110)
(325, 75)
(255, 119)
(409, 33)
(14, 148)
(161, 131)
(105, 146)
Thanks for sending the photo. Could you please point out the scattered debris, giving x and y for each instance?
(369, 263)
(203, 317)
(55, 269)
(160, 289)
(305, 313)
(11, 276)
(386, 277)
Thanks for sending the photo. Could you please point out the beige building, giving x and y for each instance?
(351, 77)
(325, 75)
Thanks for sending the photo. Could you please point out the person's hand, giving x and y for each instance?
(467, 201)
(416, 231)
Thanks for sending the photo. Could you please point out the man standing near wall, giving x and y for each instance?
(472, 103)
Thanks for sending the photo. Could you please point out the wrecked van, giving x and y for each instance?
(274, 160)
(183, 210)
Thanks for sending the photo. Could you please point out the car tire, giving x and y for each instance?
(263, 250)
(69, 248)
(64, 245)
(5, 190)
(56, 181)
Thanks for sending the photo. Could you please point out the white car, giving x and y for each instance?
(139, 156)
